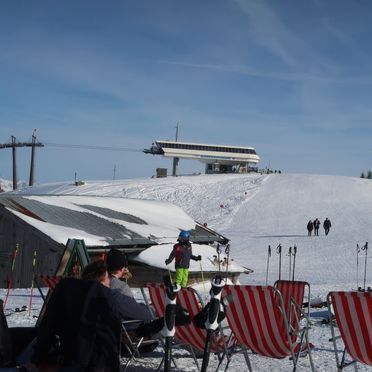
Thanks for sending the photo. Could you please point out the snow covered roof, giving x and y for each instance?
(106, 221)
(155, 257)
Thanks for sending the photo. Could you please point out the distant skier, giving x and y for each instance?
(316, 224)
(182, 252)
(310, 227)
(327, 225)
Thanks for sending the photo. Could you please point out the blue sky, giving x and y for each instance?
(291, 78)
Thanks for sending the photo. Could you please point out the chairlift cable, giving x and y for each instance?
(91, 147)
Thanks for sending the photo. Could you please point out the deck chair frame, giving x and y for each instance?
(351, 313)
(131, 346)
(295, 294)
(75, 248)
(257, 318)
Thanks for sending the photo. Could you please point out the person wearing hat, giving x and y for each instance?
(117, 268)
(182, 252)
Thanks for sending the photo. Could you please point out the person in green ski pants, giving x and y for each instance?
(182, 252)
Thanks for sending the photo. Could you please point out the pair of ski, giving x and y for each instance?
(211, 324)
(168, 331)
(11, 278)
(292, 252)
(360, 249)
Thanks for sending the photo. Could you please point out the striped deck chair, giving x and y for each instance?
(353, 315)
(257, 318)
(190, 335)
(293, 294)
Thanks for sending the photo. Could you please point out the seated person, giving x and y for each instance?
(82, 322)
(125, 307)
(117, 268)
(5, 339)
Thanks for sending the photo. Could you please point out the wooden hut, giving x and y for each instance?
(44, 223)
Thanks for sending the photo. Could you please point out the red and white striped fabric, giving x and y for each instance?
(293, 294)
(50, 281)
(189, 334)
(353, 313)
(256, 320)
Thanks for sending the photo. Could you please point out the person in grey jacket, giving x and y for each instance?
(117, 268)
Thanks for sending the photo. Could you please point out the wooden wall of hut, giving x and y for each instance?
(14, 232)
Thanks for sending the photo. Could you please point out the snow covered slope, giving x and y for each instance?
(255, 211)
(259, 210)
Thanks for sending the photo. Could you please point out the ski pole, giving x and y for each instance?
(267, 263)
(294, 261)
(218, 249)
(211, 323)
(32, 283)
(169, 329)
(290, 262)
(170, 275)
(357, 274)
(227, 252)
(279, 251)
(365, 248)
(11, 275)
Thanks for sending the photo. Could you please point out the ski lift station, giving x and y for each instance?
(217, 158)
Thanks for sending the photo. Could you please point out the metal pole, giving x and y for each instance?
(177, 125)
(357, 271)
(32, 282)
(290, 262)
(31, 181)
(267, 264)
(14, 163)
(218, 256)
(175, 160)
(175, 163)
(365, 265)
(294, 261)
(279, 251)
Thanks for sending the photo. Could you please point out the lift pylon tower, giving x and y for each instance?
(13, 145)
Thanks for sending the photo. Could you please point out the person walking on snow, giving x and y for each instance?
(182, 252)
(316, 224)
(309, 227)
(327, 225)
